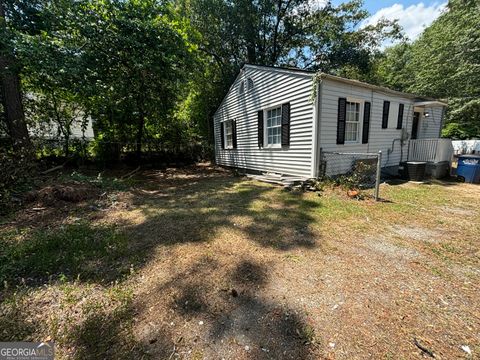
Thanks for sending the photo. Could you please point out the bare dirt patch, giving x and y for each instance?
(416, 233)
(456, 211)
(383, 245)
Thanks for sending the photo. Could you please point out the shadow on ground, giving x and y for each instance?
(108, 336)
(180, 210)
(237, 320)
(194, 213)
(189, 208)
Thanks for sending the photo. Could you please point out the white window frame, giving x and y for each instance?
(360, 119)
(265, 128)
(225, 134)
(247, 84)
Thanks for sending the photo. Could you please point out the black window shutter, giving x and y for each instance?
(400, 116)
(260, 128)
(386, 110)
(366, 122)
(286, 124)
(342, 113)
(234, 133)
(222, 134)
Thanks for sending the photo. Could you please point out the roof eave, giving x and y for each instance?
(294, 71)
(423, 99)
(367, 85)
(430, 103)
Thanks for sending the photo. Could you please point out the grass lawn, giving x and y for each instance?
(199, 264)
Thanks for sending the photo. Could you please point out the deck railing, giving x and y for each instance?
(431, 150)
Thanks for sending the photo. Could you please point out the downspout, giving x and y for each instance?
(390, 150)
(401, 139)
(316, 128)
(405, 139)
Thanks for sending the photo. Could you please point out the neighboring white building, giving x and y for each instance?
(51, 130)
(277, 120)
(466, 146)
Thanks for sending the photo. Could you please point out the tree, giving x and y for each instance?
(125, 63)
(137, 58)
(391, 68)
(443, 63)
(340, 44)
(10, 91)
(463, 119)
(446, 59)
(57, 110)
(295, 32)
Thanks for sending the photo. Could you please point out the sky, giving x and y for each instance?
(413, 15)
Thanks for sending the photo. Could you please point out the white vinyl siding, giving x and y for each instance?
(429, 127)
(271, 89)
(378, 139)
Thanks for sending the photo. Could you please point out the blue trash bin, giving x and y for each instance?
(469, 168)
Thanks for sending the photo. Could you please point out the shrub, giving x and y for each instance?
(15, 177)
(362, 176)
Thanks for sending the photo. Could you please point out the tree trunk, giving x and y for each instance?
(64, 125)
(141, 124)
(12, 99)
(141, 117)
(249, 29)
(67, 146)
(251, 54)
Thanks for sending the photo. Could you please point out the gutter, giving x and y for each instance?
(430, 103)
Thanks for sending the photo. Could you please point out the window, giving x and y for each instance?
(249, 84)
(245, 85)
(273, 128)
(228, 134)
(352, 121)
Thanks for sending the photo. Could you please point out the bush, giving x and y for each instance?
(15, 177)
(105, 151)
(362, 176)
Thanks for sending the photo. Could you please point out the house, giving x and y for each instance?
(466, 146)
(51, 130)
(279, 120)
(79, 126)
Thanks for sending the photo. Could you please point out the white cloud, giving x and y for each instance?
(413, 19)
(317, 4)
